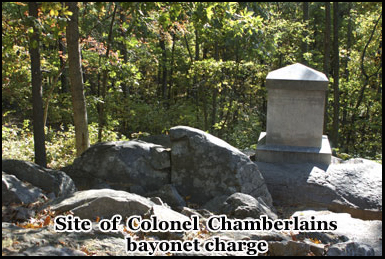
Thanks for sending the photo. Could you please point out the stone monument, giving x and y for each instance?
(295, 117)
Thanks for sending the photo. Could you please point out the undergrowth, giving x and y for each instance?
(18, 143)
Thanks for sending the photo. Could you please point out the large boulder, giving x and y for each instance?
(240, 206)
(353, 186)
(204, 166)
(162, 139)
(350, 249)
(103, 203)
(15, 191)
(132, 166)
(360, 237)
(170, 195)
(51, 181)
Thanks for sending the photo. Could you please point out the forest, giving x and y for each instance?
(78, 73)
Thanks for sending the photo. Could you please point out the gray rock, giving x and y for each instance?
(254, 235)
(190, 212)
(288, 248)
(348, 229)
(16, 213)
(47, 179)
(170, 195)
(133, 166)
(51, 251)
(163, 213)
(324, 237)
(240, 205)
(350, 249)
(163, 140)
(45, 241)
(353, 186)
(215, 204)
(204, 166)
(15, 191)
(104, 203)
(156, 200)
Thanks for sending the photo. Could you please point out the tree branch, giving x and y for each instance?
(366, 46)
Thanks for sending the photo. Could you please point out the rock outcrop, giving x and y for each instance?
(240, 206)
(133, 166)
(51, 181)
(204, 166)
(352, 237)
(104, 203)
(15, 191)
(202, 176)
(353, 186)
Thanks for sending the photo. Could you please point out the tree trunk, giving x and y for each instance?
(169, 94)
(123, 50)
(336, 76)
(366, 79)
(63, 76)
(349, 41)
(195, 84)
(305, 8)
(196, 45)
(346, 76)
(76, 80)
(188, 49)
(327, 57)
(102, 112)
(164, 66)
(37, 93)
(214, 94)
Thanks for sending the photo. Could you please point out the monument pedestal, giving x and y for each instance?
(293, 154)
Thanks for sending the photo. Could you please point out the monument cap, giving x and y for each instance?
(297, 77)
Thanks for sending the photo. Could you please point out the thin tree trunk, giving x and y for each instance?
(76, 80)
(366, 78)
(214, 93)
(198, 95)
(37, 92)
(336, 76)
(169, 95)
(124, 50)
(205, 114)
(196, 45)
(164, 66)
(346, 76)
(327, 36)
(305, 8)
(102, 115)
(52, 84)
(188, 49)
(63, 76)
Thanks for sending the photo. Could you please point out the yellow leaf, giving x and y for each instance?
(315, 240)
(69, 13)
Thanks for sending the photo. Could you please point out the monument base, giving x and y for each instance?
(292, 154)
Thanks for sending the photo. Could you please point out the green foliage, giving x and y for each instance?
(17, 143)
(209, 73)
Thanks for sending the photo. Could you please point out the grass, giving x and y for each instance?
(18, 143)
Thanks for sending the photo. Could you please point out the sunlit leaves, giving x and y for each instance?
(217, 55)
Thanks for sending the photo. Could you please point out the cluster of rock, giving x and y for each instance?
(189, 173)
